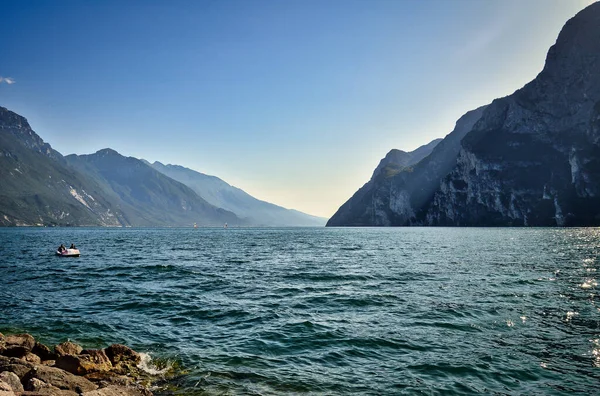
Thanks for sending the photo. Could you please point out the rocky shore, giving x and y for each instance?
(28, 367)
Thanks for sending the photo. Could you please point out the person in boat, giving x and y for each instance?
(62, 248)
(72, 246)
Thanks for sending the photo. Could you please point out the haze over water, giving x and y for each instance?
(321, 310)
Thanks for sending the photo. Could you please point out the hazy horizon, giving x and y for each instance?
(294, 102)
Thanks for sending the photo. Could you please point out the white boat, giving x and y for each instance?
(68, 253)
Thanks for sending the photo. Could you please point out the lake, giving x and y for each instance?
(321, 310)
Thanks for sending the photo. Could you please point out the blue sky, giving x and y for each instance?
(293, 101)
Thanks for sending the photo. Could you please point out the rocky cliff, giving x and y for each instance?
(531, 158)
(386, 198)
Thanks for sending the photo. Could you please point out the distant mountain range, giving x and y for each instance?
(222, 195)
(529, 159)
(42, 187)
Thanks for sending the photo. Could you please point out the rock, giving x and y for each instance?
(32, 358)
(5, 386)
(12, 380)
(120, 353)
(43, 352)
(4, 391)
(49, 363)
(16, 345)
(115, 390)
(107, 378)
(88, 362)
(49, 392)
(59, 378)
(67, 348)
(36, 387)
(14, 365)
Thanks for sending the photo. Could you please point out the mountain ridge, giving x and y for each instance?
(43, 187)
(38, 186)
(367, 206)
(149, 197)
(222, 194)
(530, 158)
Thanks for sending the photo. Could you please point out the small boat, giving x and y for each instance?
(68, 253)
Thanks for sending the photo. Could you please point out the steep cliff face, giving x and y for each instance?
(534, 157)
(529, 159)
(384, 200)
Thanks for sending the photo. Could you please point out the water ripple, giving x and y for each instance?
(326, 311)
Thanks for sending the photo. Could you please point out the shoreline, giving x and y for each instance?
(28, 367)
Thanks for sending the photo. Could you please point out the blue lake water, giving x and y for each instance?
(321, 310)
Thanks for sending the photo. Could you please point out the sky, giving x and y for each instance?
(293, 101)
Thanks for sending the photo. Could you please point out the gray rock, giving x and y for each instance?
(107, 378)
(36, 385)
(12, 380)
(59, 378)
(14, 365)
(5, 386)
(115, 390)
(39, 388)
(7, 392)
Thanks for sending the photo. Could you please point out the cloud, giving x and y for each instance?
(7, 80)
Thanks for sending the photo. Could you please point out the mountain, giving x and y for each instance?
(40, 188)
(146, 196)
(402, 181)
(396, 160)
(529, 159)
(534, 157)
(219, 193)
